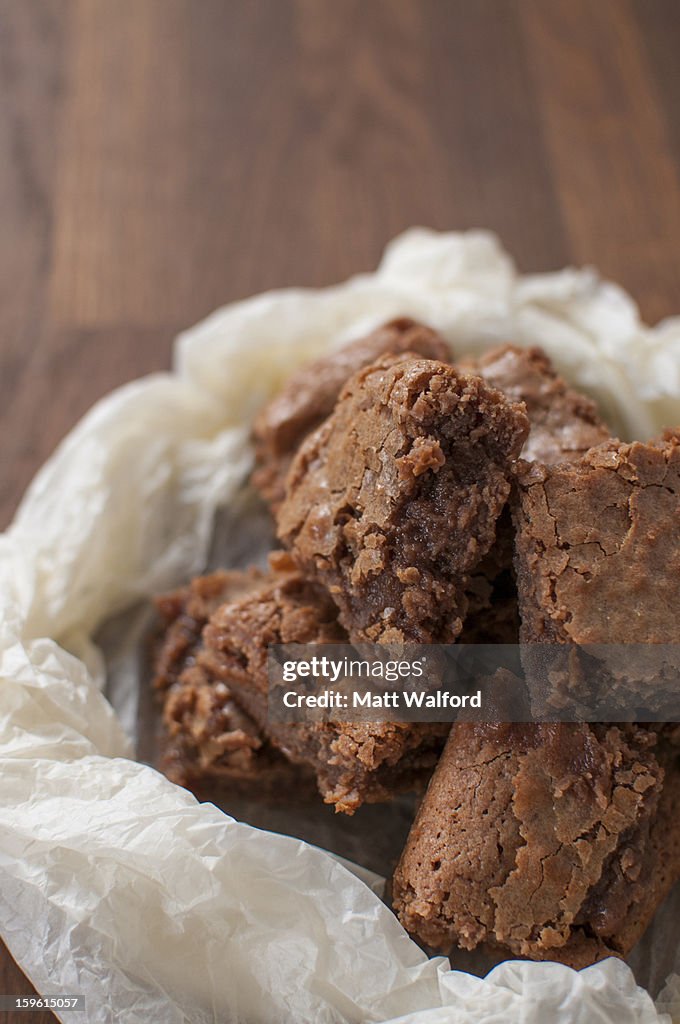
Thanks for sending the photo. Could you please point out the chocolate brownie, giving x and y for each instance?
(393, 501)
(184, 612)
(309, 396)
(354, 762)
(598, 564)
(564, 424)
(550, 841)
(207, 735)
(596, 553)
(559, 841)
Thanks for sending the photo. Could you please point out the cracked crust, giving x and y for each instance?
(354, 763)
(564, 424)
(559, 841)
(551, 841)
(596, 552)
(309, 396)
(412, 448)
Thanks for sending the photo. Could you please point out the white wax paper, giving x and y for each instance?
(117, 884)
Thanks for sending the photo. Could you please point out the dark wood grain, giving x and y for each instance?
(161, 157)
(609, 144)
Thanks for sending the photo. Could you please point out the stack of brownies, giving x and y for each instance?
(418, 500)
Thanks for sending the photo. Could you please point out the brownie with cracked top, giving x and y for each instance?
(393, 501)
(564, 424)
(596, 552)
(354, 763)
(597, 556)
(310, 394)
(549, 841)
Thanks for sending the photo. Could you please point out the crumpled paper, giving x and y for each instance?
(116, 884)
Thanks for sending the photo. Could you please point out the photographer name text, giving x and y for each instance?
(394, 699)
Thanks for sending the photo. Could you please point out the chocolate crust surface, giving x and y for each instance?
(393, 501)
(564, 422)
(597, 555)
(550, 841)
(310, 394)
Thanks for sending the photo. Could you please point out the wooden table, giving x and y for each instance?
(161, 157)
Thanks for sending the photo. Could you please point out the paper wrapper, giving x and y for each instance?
(116, 884)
